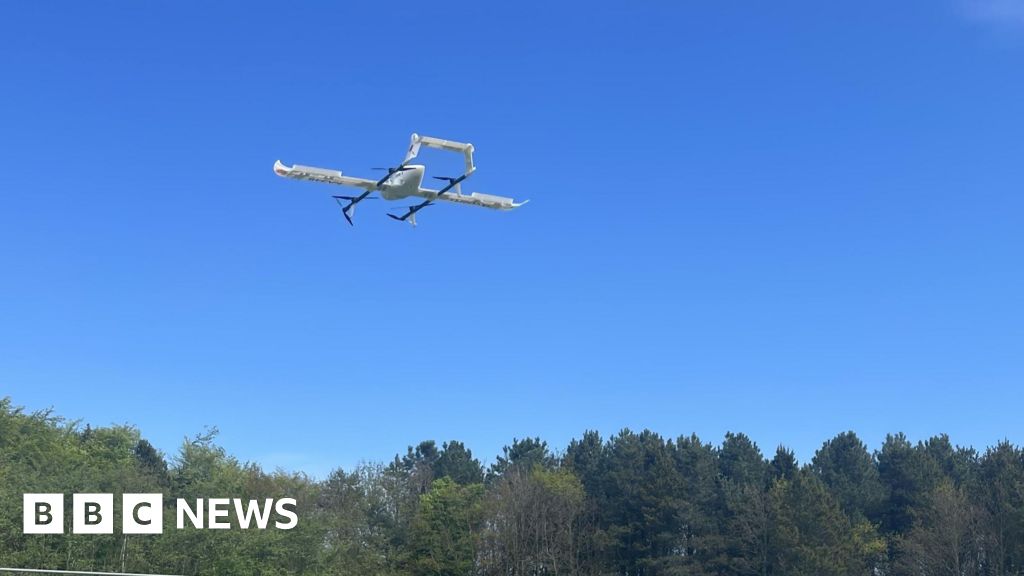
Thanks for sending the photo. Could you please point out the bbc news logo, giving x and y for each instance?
(144, 513)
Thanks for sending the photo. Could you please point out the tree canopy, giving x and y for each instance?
(634, 504)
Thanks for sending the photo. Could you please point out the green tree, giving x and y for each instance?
(740, 460)
(639, 526)
(456, 462)
(533, 523)
(443, 535)
(1001, 497)
(355, 539)
(945, 539)
(809, 535)
(525, 453)
(908, 475)
(849, 471)
(700, 542)
(783, 464)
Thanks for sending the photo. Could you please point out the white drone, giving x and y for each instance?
(403, 181)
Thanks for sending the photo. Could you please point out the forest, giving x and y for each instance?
(633, 504)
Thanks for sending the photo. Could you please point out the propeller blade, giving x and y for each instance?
(391, 171)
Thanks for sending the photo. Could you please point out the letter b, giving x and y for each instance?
(92, 514)
(43, 514)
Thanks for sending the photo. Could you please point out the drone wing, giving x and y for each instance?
(474, 199)
(310, 173)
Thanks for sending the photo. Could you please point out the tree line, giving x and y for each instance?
(634, 504)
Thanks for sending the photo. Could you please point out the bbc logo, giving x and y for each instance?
(93, 513)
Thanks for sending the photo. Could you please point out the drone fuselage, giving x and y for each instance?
(404, 183)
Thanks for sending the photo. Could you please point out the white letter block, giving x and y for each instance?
(92, 514)
(43, 513)
(142, 514)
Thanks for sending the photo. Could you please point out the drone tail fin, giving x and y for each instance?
(414, 148)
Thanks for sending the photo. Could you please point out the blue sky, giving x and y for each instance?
(788, 220)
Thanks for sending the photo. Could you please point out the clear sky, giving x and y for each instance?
(788, 219)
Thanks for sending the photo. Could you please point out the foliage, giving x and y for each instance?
(635, 504)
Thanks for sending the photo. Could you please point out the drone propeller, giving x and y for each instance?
(411, 211)
(348, 209)
(417, 207)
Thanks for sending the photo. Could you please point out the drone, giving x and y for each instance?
(404, 181)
